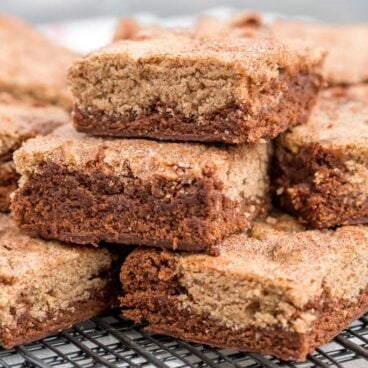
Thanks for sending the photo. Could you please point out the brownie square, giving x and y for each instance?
(282, 290)
(86, 190)
(321, 172)
(346, 61)
(174, 87)
(32, 67)
(20, 121)
(47, 286)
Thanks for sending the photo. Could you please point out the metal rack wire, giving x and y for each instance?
(112, 341)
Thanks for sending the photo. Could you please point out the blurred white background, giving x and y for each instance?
(85, 25)
(58, 10)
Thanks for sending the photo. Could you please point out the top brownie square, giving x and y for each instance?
(173, 87)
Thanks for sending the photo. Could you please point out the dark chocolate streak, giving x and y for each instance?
(90, 208)
(323, 203)
(8, 183)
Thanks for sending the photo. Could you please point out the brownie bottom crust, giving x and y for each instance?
(154, 296)
(87, 209)
(8, 184)
(231, 124)
(317, 186)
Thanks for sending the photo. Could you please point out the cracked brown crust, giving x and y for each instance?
(88, 209)
(29, 328)
(8, 183)
(232, 124)
(152, 293)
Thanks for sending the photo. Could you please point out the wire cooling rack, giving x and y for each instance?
(112, 341)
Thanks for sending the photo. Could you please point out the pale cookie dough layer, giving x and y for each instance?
(274, 292)
(48, 286)
(180, 88)
(182, 196)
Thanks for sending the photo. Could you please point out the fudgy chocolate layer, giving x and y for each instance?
(87, 209)
(321, 203)
(154, 296)
(8, 156)
(232, 124)
(8, 183)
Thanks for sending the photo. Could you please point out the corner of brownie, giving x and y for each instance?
(321, 172)
(19, 122)
(47, 286)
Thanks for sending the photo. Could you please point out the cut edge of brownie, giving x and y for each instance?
(29, 328)
(8, 184)
(49, 286)
(317, 183)
(154, 296)
(234, 123)
(181, 216)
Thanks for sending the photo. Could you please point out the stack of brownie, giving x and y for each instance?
(171, 150)
(210, 108)
(234, 94)
(45, 286)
